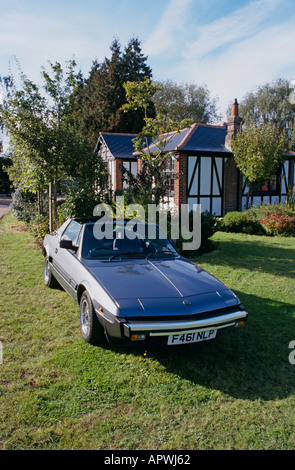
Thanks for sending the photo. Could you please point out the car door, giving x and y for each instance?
(65, 261)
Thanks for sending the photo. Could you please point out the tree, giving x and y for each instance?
(46, 142)
(5, 162)
(150, 143)
(139, 95)
(103, 93)
(269, 103)
(258, 151)
(23, 115)
(188, 101)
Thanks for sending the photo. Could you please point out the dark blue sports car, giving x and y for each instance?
(133, 289)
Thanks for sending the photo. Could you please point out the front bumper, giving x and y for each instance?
(139, 328)
(166, 328)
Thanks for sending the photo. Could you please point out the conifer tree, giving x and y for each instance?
(104, 94)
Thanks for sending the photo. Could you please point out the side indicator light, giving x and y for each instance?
(137, 337)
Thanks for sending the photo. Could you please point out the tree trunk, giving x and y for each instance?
(55, 200)
(41, 201)
(247, 199)
(50, 207)
(38, 202)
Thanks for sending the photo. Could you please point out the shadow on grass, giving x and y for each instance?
(249, 363)
(250, 253)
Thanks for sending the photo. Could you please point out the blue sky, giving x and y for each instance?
(230, 46)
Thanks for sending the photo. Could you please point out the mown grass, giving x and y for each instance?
(235, 392)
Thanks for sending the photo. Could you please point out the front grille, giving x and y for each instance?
(191, 317)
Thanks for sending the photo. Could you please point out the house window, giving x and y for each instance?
(169, 175)
(272, 192)
(205, 183)
(271, 187)
(129, 172)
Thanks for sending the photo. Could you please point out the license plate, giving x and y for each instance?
(197, 336)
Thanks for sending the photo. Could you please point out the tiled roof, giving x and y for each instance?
(209, 138)
(120, 145)
(197, 138)
(173, 140)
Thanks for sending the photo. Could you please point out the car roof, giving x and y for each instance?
(89, 220)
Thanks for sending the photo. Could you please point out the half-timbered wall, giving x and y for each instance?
(273, 192)
(205, 183)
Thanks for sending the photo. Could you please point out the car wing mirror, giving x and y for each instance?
(68, 245)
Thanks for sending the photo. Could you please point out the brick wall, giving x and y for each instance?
(138, 165)
(232, 187)
(180, 183)
(232, 177)
(118, 174)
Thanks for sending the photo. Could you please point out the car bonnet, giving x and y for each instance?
(152, 281)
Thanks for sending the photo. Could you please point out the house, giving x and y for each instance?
(117, 150)
(203, 165)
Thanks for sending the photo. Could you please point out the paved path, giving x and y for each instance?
(4, 205)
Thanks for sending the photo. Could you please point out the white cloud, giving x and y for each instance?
(238, 25)
(35, 38)
(239, 68)
(231, 54)
(172, 21)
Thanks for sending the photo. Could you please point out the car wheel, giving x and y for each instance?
(49, 279)
(91, 330)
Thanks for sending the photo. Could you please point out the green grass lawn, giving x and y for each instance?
(235, 392)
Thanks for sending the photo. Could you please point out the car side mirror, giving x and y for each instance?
(68, 245)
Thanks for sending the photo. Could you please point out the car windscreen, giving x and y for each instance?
(115, 240)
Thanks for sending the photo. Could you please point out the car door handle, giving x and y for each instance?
(56, 250)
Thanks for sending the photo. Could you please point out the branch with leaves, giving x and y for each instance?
(150, 145)
(258, 151)
(46, 141)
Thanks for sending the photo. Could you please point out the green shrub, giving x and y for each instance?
(39, 226)
(23, 205)
(257, 213)
(80, 201)
(240, 222)
(235, 221)
(271, 219)
(209, 225)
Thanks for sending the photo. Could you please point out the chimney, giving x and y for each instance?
(233, 124)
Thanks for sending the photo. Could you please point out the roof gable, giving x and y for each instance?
(197, 138)
(206, 138)
(119, 145)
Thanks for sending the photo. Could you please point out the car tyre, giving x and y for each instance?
(91, 330)
(49, 279)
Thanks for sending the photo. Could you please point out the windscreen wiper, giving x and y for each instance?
(161, 253)
(130, 254)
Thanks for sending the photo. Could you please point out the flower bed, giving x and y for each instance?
(276, 224)
(264, 219)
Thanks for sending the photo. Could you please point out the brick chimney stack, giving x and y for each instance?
(233, 124)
